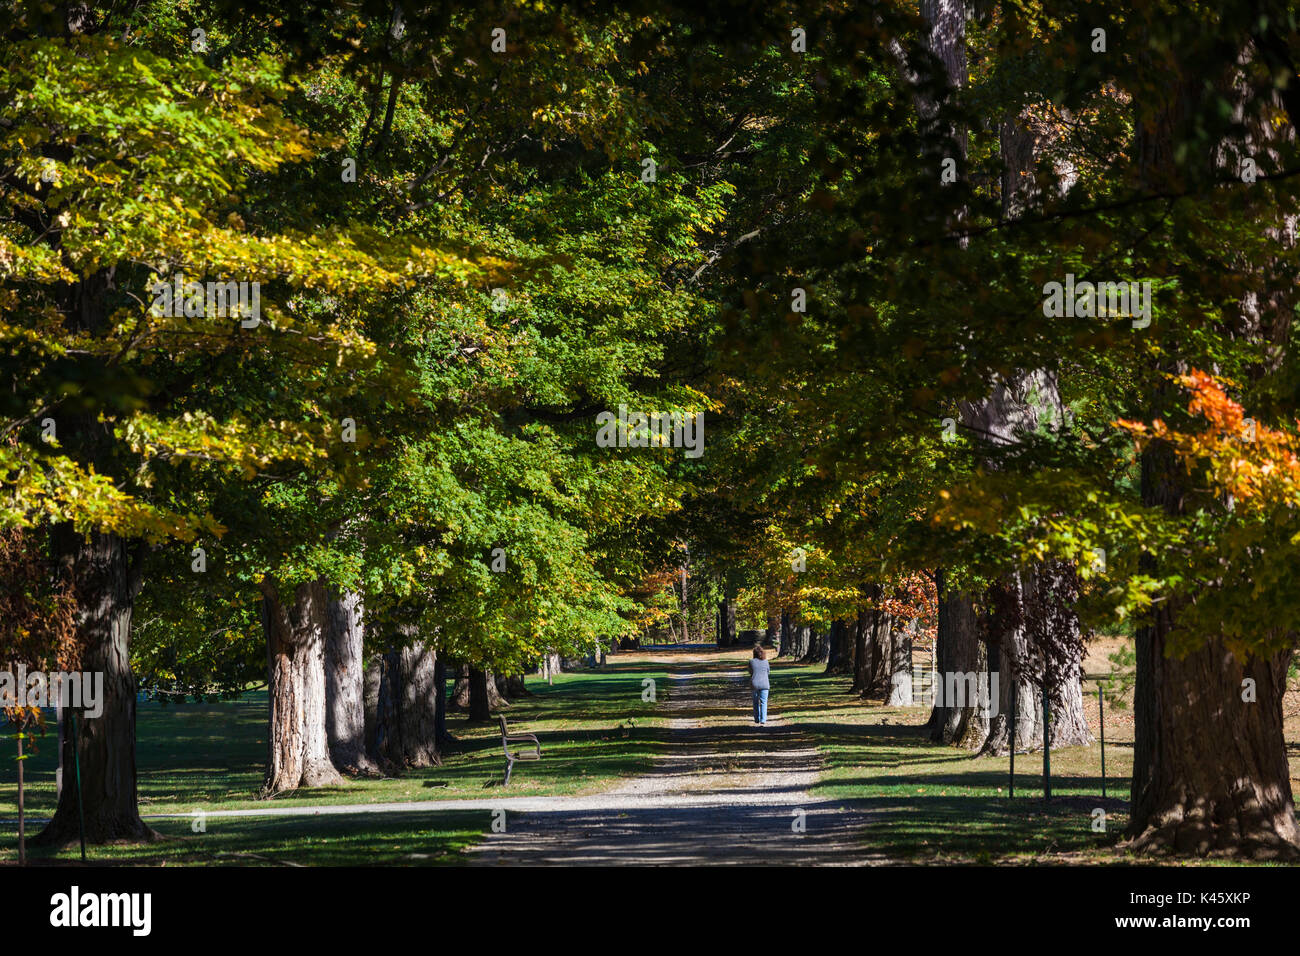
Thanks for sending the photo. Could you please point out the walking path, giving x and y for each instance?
(727, 791)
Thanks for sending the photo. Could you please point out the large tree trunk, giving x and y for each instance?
(843, 640)
(551, 664)
(800, 640)
(900, 664)
(1016, 670)
(727, 612)
(1009, 410)
(480, 704)
(496, 700)
(1031, 597)
(819, 646)
(862, 651)
(1210, 771)
(514, 687)
(460, 690)
(345, 708)
(107, 579)
(406, 733)
(373, 677)
(1056, 627)
(785, 640)
(297, 744)
(880, 624)
(773, 632)
(959, 653)
(1044, 645)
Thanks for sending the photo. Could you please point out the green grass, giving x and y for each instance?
(926, 803)
(372, 839)
(932, 803)
(212, 756)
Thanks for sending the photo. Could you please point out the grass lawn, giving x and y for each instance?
(926, 803)
(935, 803)
(211, 757)
(372, 839)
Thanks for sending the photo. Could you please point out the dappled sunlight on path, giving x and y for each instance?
(725, 790)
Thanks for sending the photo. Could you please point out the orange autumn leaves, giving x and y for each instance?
(1254, 464)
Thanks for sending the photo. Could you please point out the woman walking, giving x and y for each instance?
(759, 671)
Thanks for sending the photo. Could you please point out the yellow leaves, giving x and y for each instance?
(1254, 464)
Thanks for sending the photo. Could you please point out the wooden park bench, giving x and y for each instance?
(507, 738)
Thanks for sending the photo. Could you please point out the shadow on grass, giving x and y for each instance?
(406, 839)
(201, 756)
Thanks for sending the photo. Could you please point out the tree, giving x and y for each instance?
(345, 709)
(118, 426)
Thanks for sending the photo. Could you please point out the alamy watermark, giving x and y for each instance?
(177, 297)
(977, 689)
(653, 430)
(1089, 300)
(40, 689)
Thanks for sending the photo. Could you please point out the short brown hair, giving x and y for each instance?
(759, 652)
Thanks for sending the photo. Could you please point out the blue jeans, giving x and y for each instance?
(760, 706)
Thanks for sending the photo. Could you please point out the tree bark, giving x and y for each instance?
(345, 709)
(107, 577)
(1023, 662)
(297, 744)
(480, 705)
(900, 665)
(1056, 627)
(373, 677)
(460, 690)
(800, 640)
(551, 665)
(496, 700)
(881, 629)
(1010, 659)
(407, 725)
(786, 638)
(862, 651)
(843, 638)
(958, 651)
(819, 647)
(1016, 407)
(727, 610)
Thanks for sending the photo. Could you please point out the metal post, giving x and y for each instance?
(22, 836)
(76, 762)
(1101, 720)
(1047, 744)
(58, 719)
(1015, 697)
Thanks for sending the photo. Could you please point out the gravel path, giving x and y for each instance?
(726, 792)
